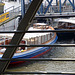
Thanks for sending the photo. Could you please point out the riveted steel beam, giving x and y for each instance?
(22, 8)
(56, 16)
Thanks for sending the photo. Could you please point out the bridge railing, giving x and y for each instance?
(10, 22)
(8, 9)
(15, 12)
(55, 9)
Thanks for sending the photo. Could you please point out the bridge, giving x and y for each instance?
(59, 6)
(48, 9)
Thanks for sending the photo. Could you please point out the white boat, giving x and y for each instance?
(64, 24)
(31, 39)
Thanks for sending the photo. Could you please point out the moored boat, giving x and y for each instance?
(64, 24)
(32, 39)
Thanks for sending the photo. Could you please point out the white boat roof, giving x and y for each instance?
(31, 35)
(70, 20)
(42, 24)
(27, 35)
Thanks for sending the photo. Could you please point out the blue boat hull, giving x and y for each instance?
(35, 53)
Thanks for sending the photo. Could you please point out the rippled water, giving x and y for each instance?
(52, 66)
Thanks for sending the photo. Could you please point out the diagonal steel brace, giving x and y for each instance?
(24, 25)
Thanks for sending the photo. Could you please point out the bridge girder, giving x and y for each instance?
(45, 7)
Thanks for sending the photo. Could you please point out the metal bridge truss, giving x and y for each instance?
(22, 29)
(47, 9)
(57, 7)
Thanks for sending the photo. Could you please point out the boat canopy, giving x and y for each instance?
(32, 35)
(27, 35)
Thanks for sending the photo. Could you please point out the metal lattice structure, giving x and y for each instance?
(58, 6)
(22, 29)
(47, 9)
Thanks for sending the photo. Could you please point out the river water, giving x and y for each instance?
(52, 66)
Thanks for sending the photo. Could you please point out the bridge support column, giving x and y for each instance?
(56, 2)
(57, 5)
(22, 8)
(42, 8)
(60, 6)
(73, 4)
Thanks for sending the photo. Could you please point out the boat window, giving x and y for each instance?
(59, 23)
(69, 24)
(40, 26)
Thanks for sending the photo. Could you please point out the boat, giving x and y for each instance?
(64, 24)
(31, 39)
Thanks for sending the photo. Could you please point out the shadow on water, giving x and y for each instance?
(20, 65)
(27, 63)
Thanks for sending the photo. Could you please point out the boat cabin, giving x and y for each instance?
(30, 38)
(66, 23)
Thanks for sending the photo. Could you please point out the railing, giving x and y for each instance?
(39, 59)
(19, 34)
(8, 9)
(13, 14)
